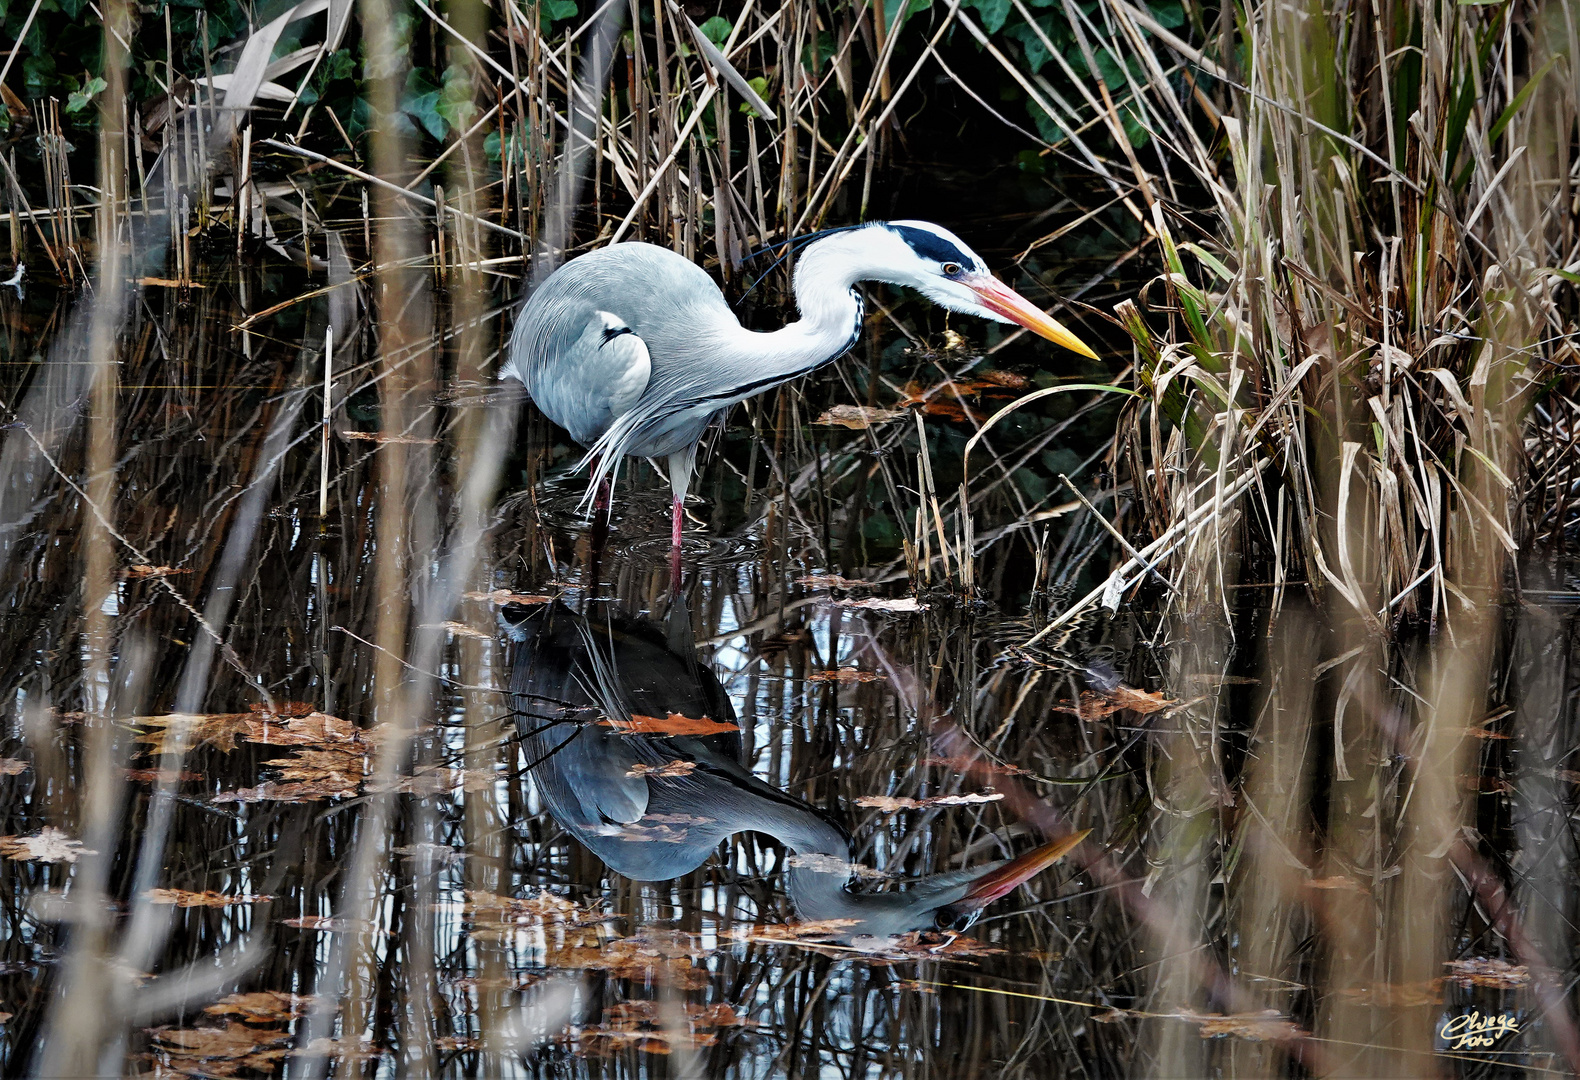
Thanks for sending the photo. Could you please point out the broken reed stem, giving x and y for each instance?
(83, 1018)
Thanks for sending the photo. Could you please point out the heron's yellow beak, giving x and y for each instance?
(1000, 299)
(1002, 881)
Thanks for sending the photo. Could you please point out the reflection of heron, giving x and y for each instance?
(633, 350)
(570, 671)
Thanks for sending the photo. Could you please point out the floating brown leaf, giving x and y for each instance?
(171, 283)
(672, 768)
(674, 724)
(629, 1014)
(890, 804)
(332, 924)
(138, 570)
(459, 629)
(1097, 704)
(597, 1040)
(921, 945)
(289, 792)
(876, 603)
(844, 675)
(343, 766)
(830, 581)
(285, 709)
(646, 958)
(49, 844)
(387, 437)
(1487, 971)
(263, 1006)
(233, 1040)
(11, 766)
(857, 417)
(1269, 1025)
(505, 596)
(538, 909)
(186, 898)
(822, 929)
(218, 730)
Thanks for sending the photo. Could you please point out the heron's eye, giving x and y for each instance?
(951, 269)
(954, 920)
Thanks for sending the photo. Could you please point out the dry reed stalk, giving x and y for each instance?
(1362, 332)
(84, 1023)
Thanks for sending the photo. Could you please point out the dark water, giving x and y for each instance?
(495, 941)
(499, 944)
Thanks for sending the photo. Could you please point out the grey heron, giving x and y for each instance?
(633, 350)
(653, 823)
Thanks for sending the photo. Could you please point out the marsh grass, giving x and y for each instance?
(1314, 514)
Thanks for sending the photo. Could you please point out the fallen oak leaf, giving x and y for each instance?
(290, 791)
(1268, 1025)
(459, 629)
(49, 844)
(387, 437)
(334, 924)
(844, 675)
(194, 730)
(505, 596)
(235, 1039)
(185, 898)
(263, 1006)
(672, 768)
(674, 724)
(857, 417)
(286, 709)
(1098, 704)
(138, 571)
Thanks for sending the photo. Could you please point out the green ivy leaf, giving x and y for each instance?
(993, 13)
(80, 99)
(421, 102)
(716, 30)
(759, 84)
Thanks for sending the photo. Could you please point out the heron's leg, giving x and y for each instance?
(679, 481)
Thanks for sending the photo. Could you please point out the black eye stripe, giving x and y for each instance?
(929, 245)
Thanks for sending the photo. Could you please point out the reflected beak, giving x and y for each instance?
(1004, 301)
(1001, 881)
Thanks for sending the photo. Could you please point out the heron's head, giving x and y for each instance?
(948, 902)
(937, 263)
(961, 905)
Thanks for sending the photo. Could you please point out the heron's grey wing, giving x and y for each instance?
(582, 365)
(591, 771)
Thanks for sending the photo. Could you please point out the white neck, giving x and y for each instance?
(831, 314)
